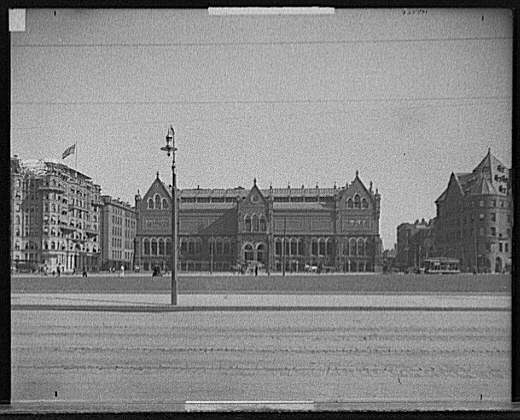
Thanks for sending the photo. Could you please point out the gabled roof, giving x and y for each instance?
(484, 179)
(158, 184)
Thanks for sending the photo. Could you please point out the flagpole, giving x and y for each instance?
(76, 156)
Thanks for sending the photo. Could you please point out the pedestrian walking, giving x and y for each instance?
(84, 272)
(122, 272)
(256, 270)
(58, 271)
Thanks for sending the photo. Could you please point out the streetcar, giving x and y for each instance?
(442, 265)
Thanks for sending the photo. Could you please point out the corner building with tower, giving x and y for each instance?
(335, 229)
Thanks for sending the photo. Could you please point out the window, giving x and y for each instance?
(322, 247)
(248, 224)
(481, 203)
(262, 224)
(345, 247)
(191, 247)
(168, 247)
(219, 248)
(481, 216)
(157, 201)
(300, 247)
(164, 203)
(493, 231)
(226, 248)
(506, 247)
(357, 202)
(294, 247)
(494, 203)
(364, 203)
(255, 223)
(154, 247)
(353, 247)
(500, 246)
(278, 247)
(150, 203)
(349, 203)
(361, 247)
(493, 217)
(161, 247)
(314, 247)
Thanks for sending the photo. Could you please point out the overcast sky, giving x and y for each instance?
(405, 98)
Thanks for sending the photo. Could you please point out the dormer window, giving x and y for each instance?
(150, 203)
(364, 203)
(157, 202)
(164, 203)
(357, 202)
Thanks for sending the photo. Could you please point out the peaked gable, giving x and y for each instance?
(255, 196)
(454, 187)
(157, 187)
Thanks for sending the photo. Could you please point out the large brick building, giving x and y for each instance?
(415, 243)
(474, 217)
(118, 225)
(335, 228)
(54, 217)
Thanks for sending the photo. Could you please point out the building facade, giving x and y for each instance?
(118, 227)
(54, 217)
(415, 243)
(277, 228)
(475, 216)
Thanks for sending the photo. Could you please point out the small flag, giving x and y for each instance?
(68, 151)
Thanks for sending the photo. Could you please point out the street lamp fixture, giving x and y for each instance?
(170, 149)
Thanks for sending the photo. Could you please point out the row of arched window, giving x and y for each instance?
(320, 246)
(157, 203)
(357, 202)
(255, 223)
(157, 246)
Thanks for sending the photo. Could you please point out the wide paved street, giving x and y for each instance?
(441, 357)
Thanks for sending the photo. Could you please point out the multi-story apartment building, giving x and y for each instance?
(54, 217)
(475, 216)
(415, 243)
(118, 226)
(335, 228)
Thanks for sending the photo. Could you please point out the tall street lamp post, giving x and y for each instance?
(170, 150)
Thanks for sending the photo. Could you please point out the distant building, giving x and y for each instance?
(277, 228)
(388, 259)
(54, 217)
(475, 216)
(118, 227)
(415, 243)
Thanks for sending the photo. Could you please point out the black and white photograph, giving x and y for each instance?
(304, 208)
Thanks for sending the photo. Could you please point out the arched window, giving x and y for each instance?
(357, 202)
(168, 247)
(361, 247)
(150, 203)
(322, 247)
(154, 247)
(248, 252)
(191, 246)
(219, 247)
(350, 203)
(262, 224)
(314, 247)
(300, 247)
(164, 203)
(255, 223)
(161, 247)
(329, 247)
(278, 247)
(248, 224)
(364, 203)
(294, 246)
(17, 220)
(287, 246)
(260, 253)
(53, 245)
(345, 247)
(353, 247)
(198, 245)
(157, 201)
